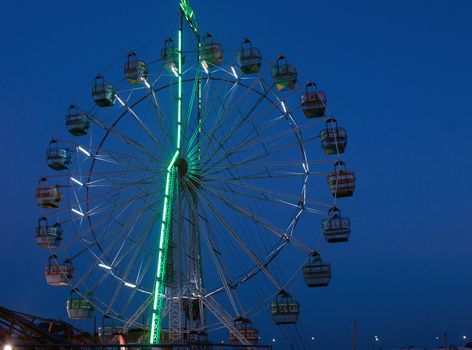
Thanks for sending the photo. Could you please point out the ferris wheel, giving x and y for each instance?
(178, 186)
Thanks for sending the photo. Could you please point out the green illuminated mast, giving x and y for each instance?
(171, 181)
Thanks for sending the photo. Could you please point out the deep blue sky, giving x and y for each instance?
(396, 73)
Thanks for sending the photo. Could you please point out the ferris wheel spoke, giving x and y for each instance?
(230, 150)
(81, 235)
(113, 204)
(224, 110)
(139, 279)
(248, 89)
(110, 129)
(243, 118)
(262, 190)
(162, 118)
(136, 251)
(264, 197)
(120, 185)
(110, 198)
(204, 113)
(112, 156)
(217, 160)
(190, 107)
(107, 232)
(238, 240)
(220, 141)
(140, 123)
(121, 207)
(117, 173)
(141, 239)
(76, 178)
(212, 248)
(257, 135)
(233, 282)
(279, 164)
(247, 143)
(111, 271)
(245, 147)
(259, 220)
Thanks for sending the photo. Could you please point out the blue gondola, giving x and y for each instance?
(316, 272)
(333, 138)
(77, 121)
(284, 309)
(57, 157)
(103, 92)
(336, 228)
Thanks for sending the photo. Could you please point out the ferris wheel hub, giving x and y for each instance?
(182, 166)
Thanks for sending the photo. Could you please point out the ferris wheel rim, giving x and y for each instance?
(277, 248)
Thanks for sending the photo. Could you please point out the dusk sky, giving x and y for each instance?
(397, 74)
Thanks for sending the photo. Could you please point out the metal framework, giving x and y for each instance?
(171, 184)
(28, 329)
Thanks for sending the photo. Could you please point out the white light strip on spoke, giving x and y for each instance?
(234, 72)
(174, 70)
(130, 285)
(73, 179)
(77, 212)
(145, 82)
(120, 100)
(106, 267)
(84, 151)
(284, 107)
(205, 66)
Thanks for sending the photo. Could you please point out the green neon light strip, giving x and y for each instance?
(161, 265)
(189, 15)
(159, 289)
(179, 102)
